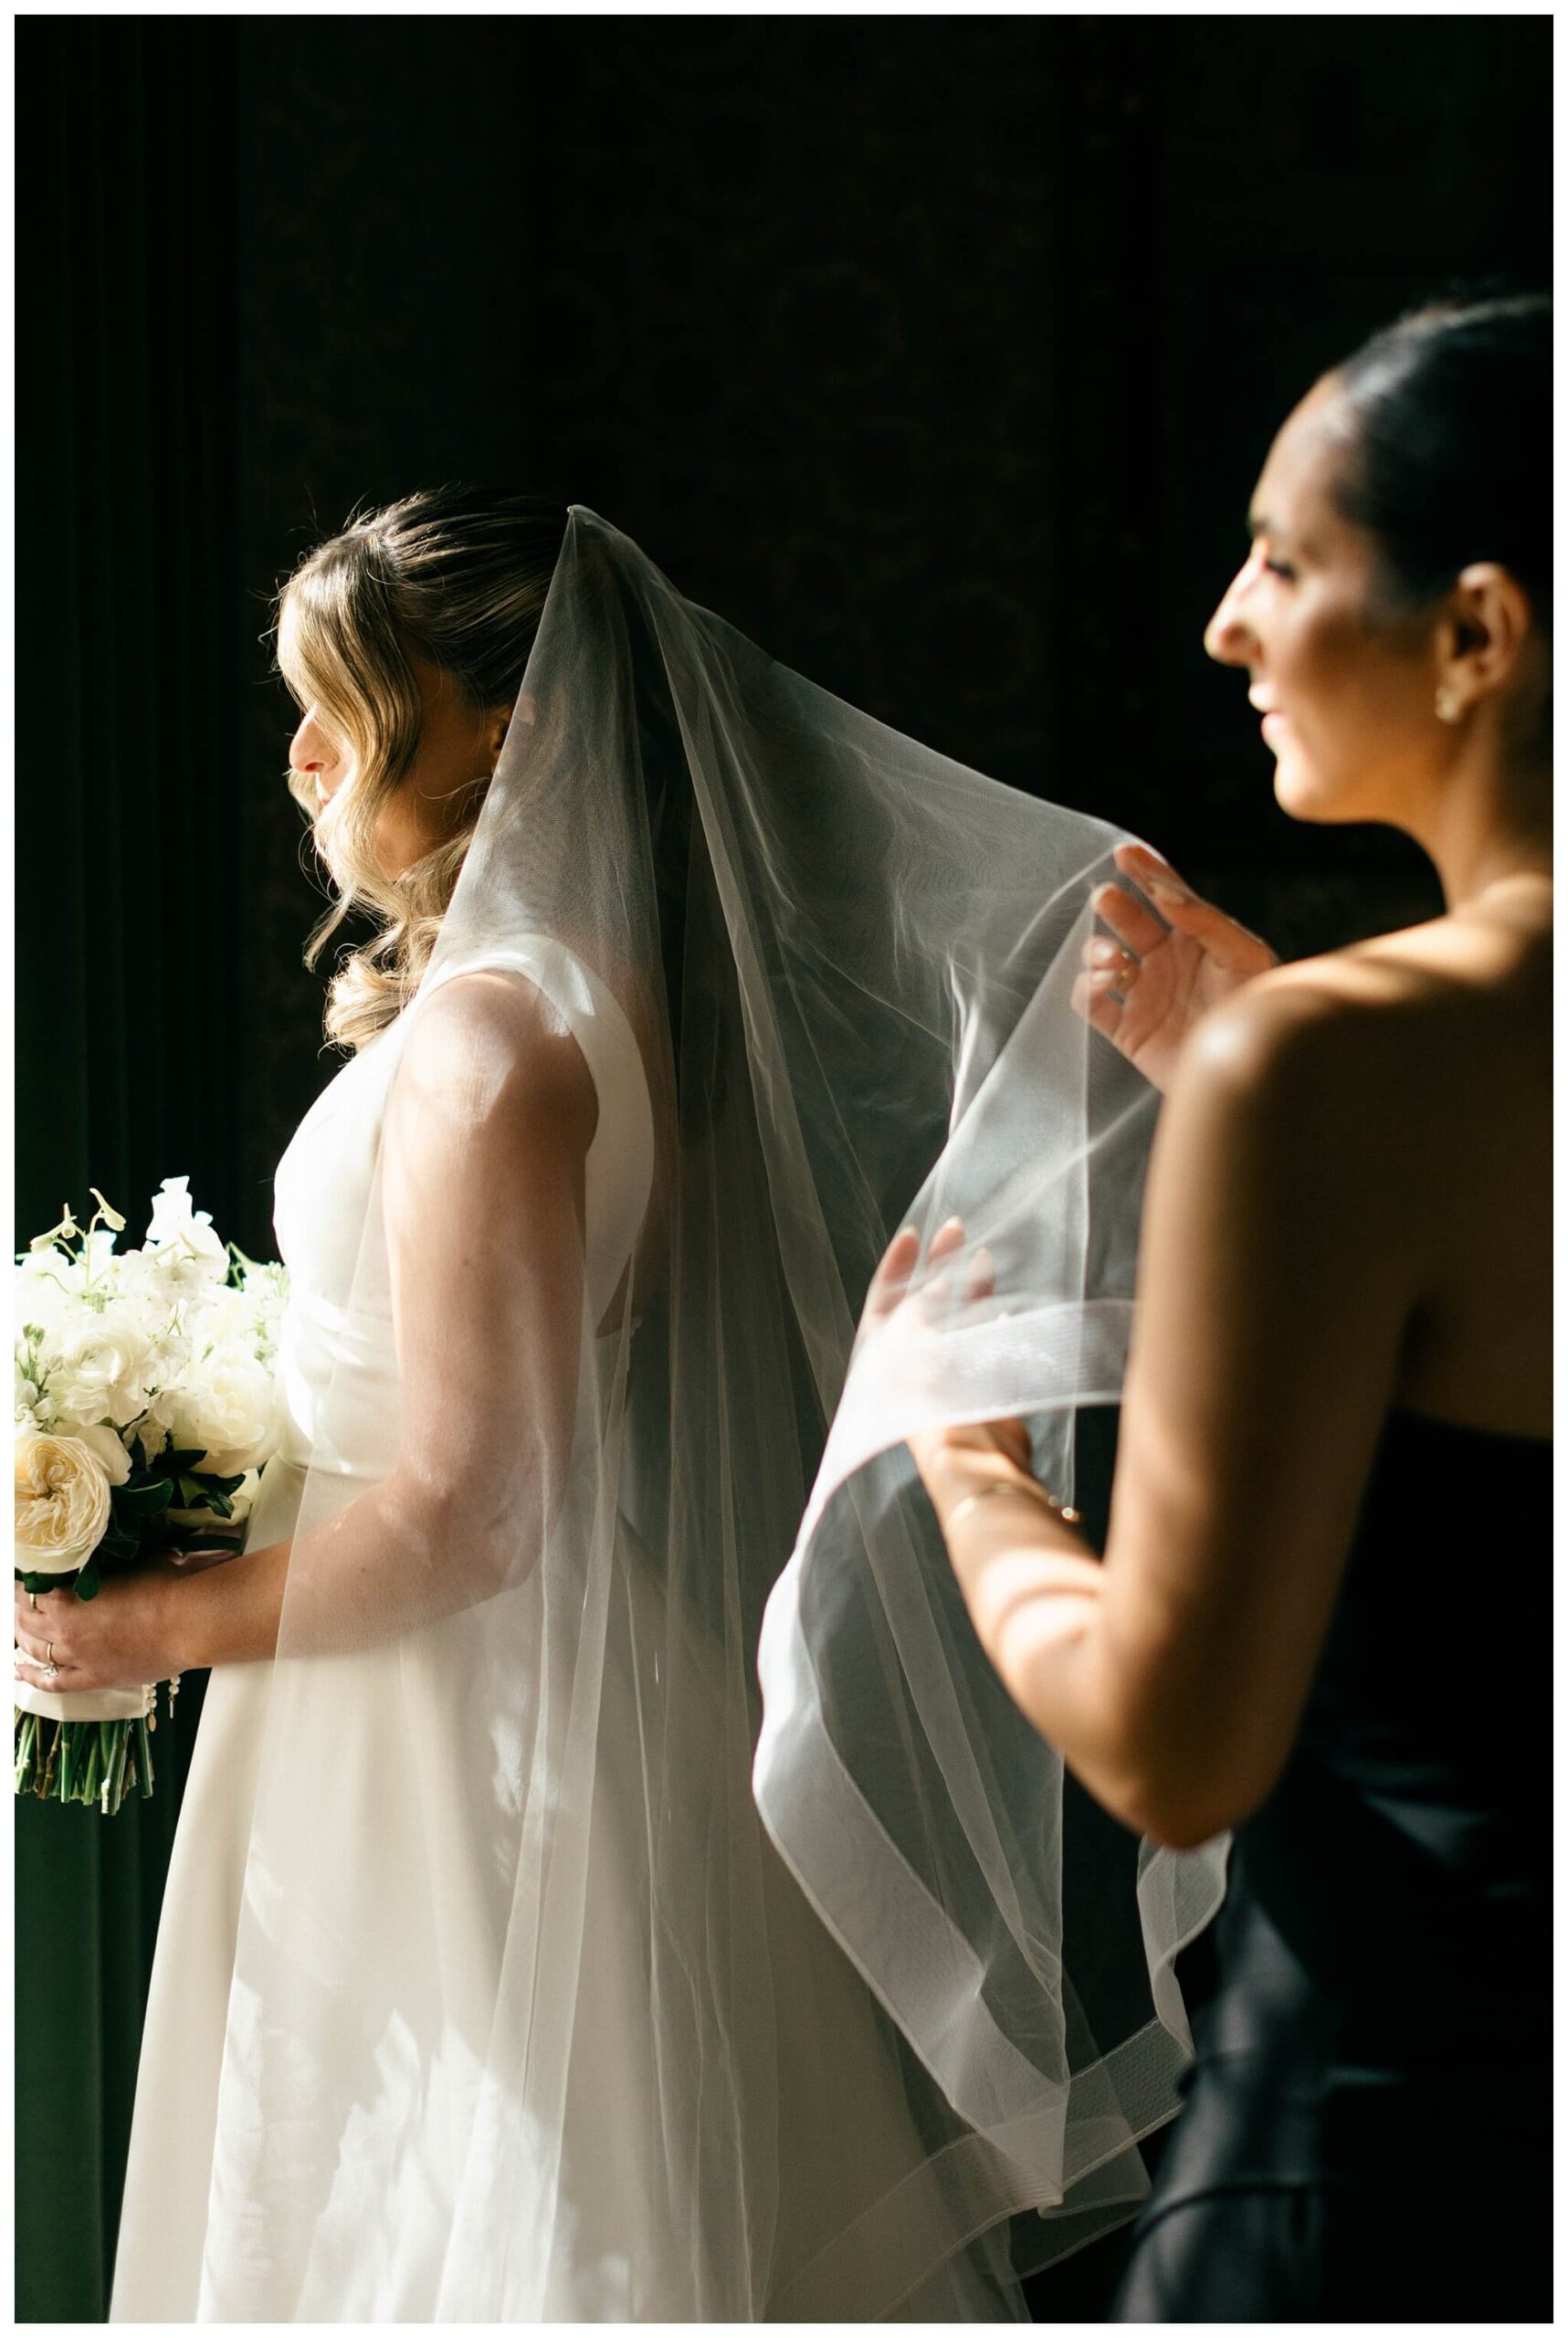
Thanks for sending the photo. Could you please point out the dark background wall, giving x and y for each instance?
(938, 354)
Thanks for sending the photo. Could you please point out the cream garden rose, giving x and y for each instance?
(62, 1504)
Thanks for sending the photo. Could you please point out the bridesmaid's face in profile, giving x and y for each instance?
(458, 750)
(1346, 689)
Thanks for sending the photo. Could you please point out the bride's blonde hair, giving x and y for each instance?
(454, 576)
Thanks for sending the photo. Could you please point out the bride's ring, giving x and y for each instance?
(32, 1598)
(51, 1669)
(1127, 973)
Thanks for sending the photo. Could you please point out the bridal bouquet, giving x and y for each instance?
(146, 1405)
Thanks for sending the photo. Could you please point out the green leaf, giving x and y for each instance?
(143, 1500)
(36, 1583)
(90, 1582)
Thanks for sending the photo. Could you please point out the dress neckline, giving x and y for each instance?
(1430, 1424)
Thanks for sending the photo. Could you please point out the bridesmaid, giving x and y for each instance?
(1334, 1445)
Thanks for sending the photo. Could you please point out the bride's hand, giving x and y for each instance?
(122, 1637)
(1146, 988)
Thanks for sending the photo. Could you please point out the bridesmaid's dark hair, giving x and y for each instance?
(1449, 432)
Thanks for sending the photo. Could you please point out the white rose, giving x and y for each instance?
(151, 1432)
(227, 1412)
(242, 1501)
(62, 1503)
(110, 1450)
(184, 1234)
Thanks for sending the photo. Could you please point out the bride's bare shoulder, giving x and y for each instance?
(493, 1038)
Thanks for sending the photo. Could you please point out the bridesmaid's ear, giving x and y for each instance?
(1488, 640)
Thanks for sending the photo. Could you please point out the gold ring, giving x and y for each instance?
(1030, 1488)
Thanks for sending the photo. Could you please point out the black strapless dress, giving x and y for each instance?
(1366, 2134)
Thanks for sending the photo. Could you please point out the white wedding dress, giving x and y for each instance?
(331, 2120)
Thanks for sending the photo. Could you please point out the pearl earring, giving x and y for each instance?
(1448, 706)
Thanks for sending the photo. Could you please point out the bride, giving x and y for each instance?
(480, 1992)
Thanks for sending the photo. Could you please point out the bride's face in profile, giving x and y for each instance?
(457, 749)
(1346, 691)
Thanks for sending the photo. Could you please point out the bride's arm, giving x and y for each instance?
(483, 1166)
(483, 1158)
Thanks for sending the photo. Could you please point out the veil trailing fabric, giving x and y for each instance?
(532, 2015)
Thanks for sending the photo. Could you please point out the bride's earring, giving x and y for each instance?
(1447, 704)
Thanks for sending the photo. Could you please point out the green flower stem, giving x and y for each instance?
(27, 1752)
(117, 1767)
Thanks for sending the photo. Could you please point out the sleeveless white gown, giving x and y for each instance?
(360, 2233)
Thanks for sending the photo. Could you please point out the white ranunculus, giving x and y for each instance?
(184, 1235)
(228, 1411)
(103, 1367)
(62, 1503)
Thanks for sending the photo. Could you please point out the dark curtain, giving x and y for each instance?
(125, 822)
(940, 354)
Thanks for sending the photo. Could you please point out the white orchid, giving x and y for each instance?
(184, 1235)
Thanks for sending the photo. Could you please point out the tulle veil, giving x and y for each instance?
(895, 2037)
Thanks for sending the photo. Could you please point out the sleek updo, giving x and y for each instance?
(1446, 421)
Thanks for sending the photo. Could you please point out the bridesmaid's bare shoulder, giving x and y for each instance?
(1447, 994)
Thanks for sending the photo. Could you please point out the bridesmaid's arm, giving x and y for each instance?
(1279, 1268)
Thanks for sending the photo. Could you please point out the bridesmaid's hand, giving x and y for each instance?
(124, 1638)
(952, 1460)
(1146, 988)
